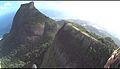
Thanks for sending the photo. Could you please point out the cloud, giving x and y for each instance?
(5, 6)
(0, 39)
(2, 8)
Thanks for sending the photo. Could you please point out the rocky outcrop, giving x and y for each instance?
(30, 29)
(31, 40)
(73, 48)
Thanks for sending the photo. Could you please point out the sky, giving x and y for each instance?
(103, 13)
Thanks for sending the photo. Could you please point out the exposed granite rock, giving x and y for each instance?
(32, 31)
(29, 31)
(75, 49)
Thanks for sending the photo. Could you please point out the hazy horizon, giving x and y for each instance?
(105, 14)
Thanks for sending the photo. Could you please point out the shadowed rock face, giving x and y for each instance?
(28, 21)
(29, 28)
(72, 48)
(31, 32)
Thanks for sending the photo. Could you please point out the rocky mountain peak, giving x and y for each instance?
(35, 39)
(30, 5)
(29, 28)
(28, 20)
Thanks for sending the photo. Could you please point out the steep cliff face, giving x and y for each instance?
(29, 22)
(74, 48)
(30, 29)
(31, 40)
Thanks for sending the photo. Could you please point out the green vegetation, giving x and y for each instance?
(98, 51)
(107, 41)
(108, 45)
(7, 62)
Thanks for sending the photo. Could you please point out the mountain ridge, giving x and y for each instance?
(74, 49)
(30, 31)
(37, 39)
(91, 28)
